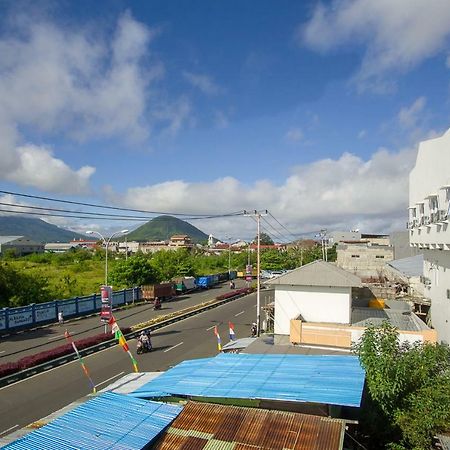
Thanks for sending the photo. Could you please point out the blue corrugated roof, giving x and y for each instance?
(328, 379)
(109, 421)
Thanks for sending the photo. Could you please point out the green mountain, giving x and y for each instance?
(162, 228)
(35, 229)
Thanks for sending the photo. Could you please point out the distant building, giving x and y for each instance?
(85, 243)
(180, 241)
(335, 237)
(20, 245)
(363, 258)
(59, 247)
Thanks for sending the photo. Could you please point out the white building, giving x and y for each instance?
(316, 292)
(20, 245)
(428, 224)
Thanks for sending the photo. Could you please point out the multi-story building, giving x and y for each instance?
(428, 224)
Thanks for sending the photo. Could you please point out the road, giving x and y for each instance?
(31, 399)
(16, 346)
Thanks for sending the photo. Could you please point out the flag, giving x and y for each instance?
(83, 366)
(232, 335)
(118, 335)
(219, 342)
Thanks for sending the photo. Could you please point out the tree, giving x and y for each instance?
(136, 271)
(409, 388)
(264, 239)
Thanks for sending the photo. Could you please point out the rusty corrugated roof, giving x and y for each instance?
(237, 428)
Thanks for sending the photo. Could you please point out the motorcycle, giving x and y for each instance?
(254, 330)
(157, 304)
(143, 346)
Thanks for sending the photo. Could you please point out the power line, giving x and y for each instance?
(279, 223)
(68, 216)
(94, 205)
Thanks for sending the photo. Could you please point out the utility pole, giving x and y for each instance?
(258, 215)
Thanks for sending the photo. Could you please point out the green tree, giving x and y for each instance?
(136, 271)
(405, 383)
(264, 239)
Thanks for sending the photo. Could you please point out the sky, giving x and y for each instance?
(311, 110)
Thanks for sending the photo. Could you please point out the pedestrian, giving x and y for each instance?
(60, 317)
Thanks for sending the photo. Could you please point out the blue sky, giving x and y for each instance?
(312, 110)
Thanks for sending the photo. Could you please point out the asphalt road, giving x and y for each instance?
(29, 400)
(16, 346)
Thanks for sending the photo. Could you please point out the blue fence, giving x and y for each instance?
(12, 319)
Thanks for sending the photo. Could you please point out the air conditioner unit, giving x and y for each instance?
(434, 217)
(426, 220)
(425, 280)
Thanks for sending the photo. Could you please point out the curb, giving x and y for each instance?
(22, 375)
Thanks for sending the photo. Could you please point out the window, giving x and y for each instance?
(448, 293)
(355, 256)
(379, 256)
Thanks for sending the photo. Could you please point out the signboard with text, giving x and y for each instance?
(106, 311)
(248, 272)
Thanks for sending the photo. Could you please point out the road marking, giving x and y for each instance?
(238, 314)
(3, 351)
(109, 379)
(9, 429)
(210, 328)
(56, 337)
(171, 348)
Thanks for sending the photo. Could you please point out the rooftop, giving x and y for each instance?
(107, 421)
(330, 379)
(6, 239)
(317, 273)
(411, 267)
(403, 320)
(204, 425)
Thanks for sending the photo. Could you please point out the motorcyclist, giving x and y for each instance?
(157, 304)
(232, 284)
(144, 339)
(254, 329)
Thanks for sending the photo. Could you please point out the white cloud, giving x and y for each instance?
(76, 84)
(39, 168)
(398, 34)
(447, 61)
(294, 135)
(202, 82)
(328, 193)
(362, 134)
(410, 116)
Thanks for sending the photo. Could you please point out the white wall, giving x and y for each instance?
(315, 304)
(403, 337)
(437, 270)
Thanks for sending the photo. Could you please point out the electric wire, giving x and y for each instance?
(94, 205)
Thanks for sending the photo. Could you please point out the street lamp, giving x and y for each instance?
(229, 256)
(106, 242)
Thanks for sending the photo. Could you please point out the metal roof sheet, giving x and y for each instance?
(402, 320)
(6, 239)
(411, 267)
(327, 379)
(317, 273)
(234, 428)
(108, 421)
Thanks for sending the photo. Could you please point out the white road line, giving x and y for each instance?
(56, 337)
(3, 351)
(238, 314)
(9, 429)
(171, 348)
(109, 379)
(210, 328)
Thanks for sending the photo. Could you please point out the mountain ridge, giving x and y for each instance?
(162, 228)
(36, 229)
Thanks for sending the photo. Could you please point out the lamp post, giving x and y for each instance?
(106, 242)
(229, 256)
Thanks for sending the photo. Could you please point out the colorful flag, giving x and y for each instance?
(115, 329)
(232, 335)
(83, 366)
(219, 342)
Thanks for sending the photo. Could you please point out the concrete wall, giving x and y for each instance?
(336, 335)
(399, 240)
(362, 259)
(313, 304)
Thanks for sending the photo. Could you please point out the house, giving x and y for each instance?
(428, 225)
(317, 304)
(316, 292)
(20, 245)
(180, 241)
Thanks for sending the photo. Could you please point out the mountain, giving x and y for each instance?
(162, 228)
(35, 229)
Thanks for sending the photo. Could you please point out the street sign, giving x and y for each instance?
(106, 311)
(248, 272)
